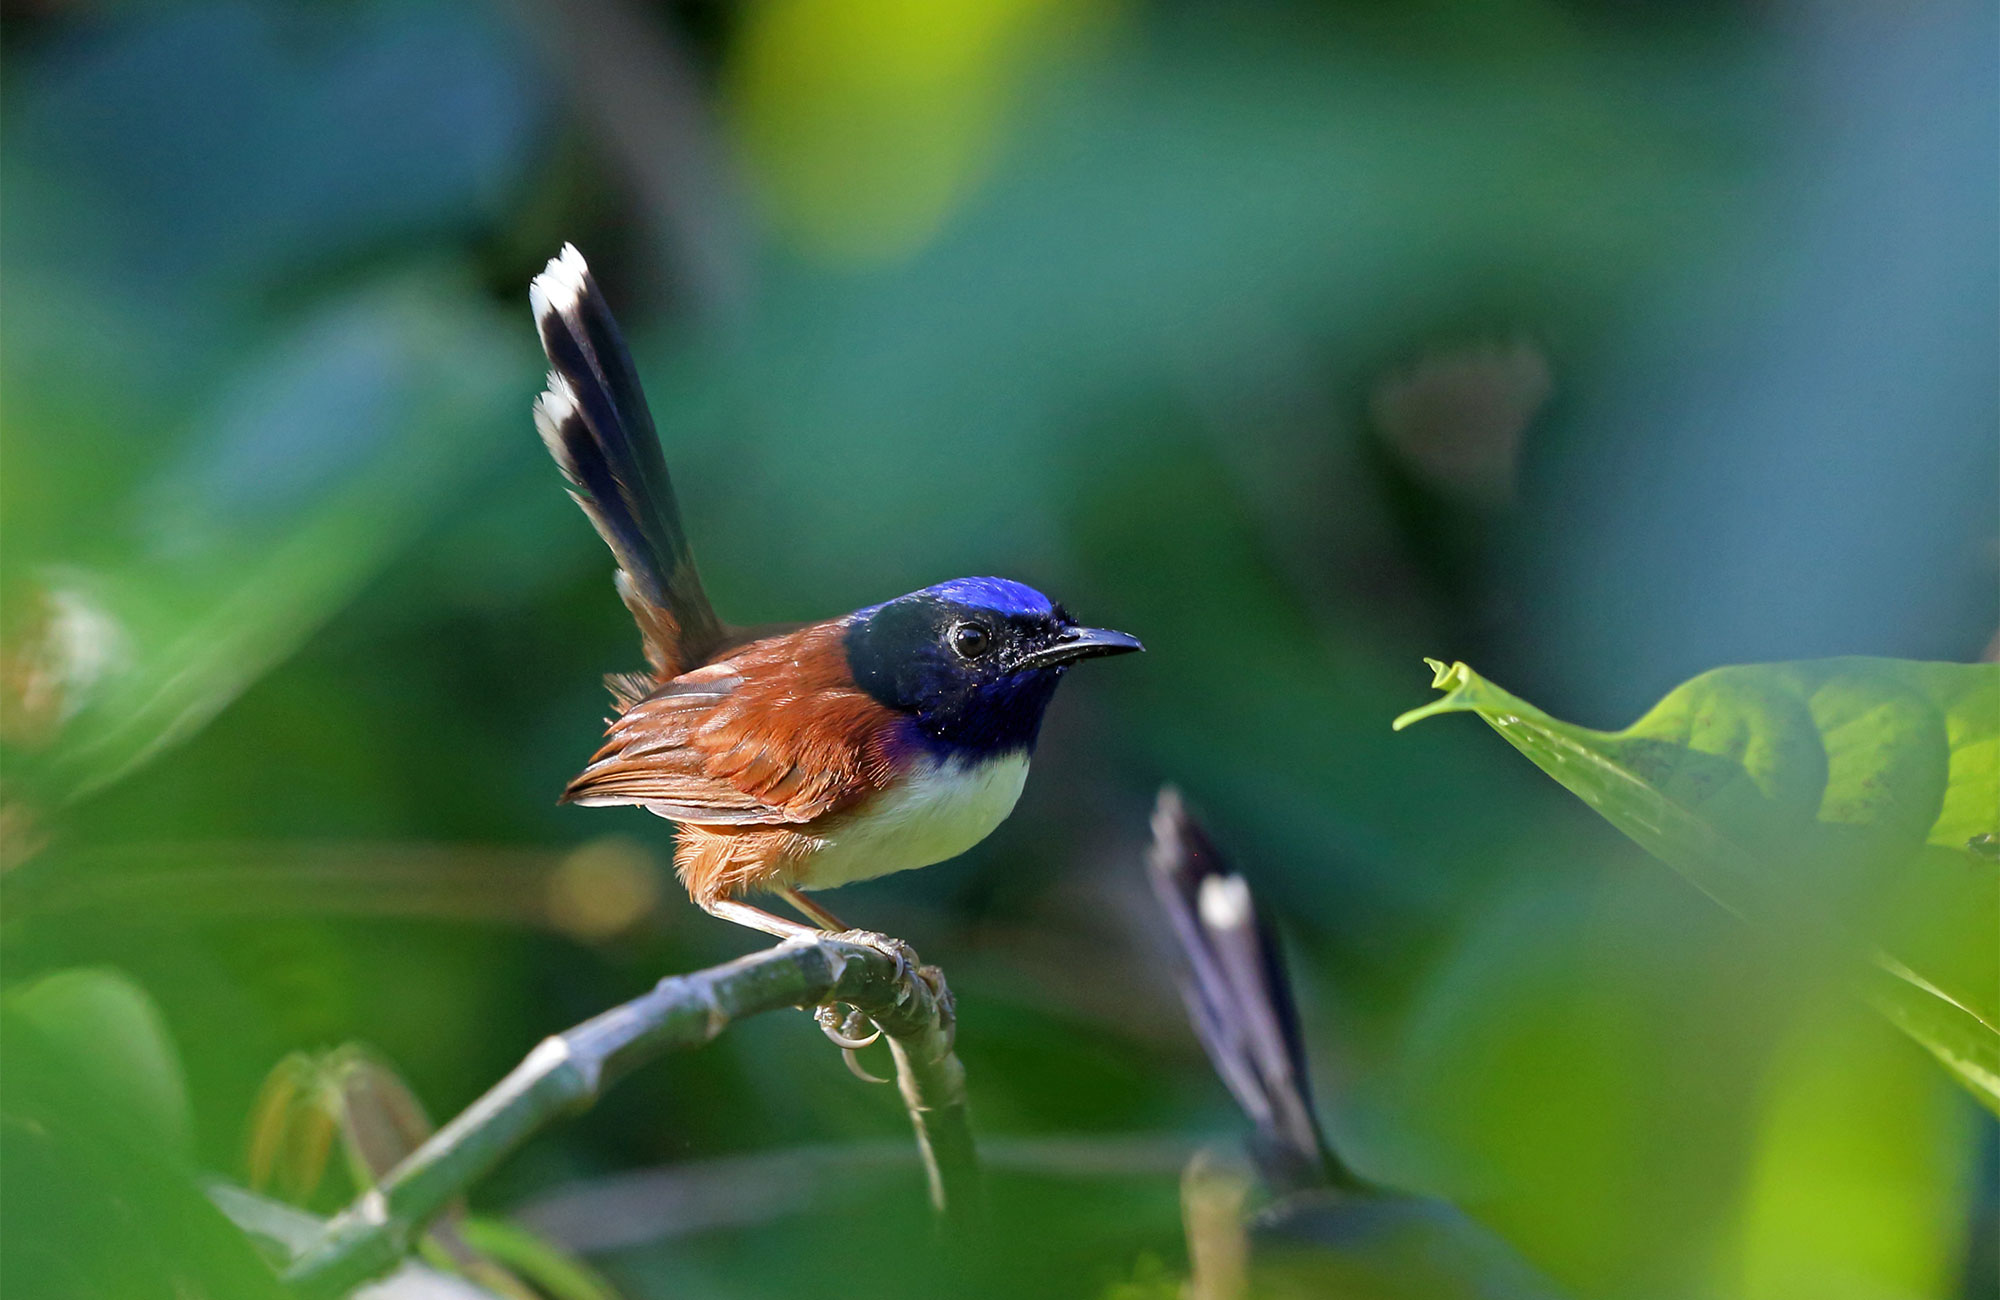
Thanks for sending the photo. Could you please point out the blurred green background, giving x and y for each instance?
(1596, 342)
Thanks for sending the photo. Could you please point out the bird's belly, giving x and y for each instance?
(936, 811)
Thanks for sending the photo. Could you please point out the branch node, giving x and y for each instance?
(718, 1015)
(549, 1055)
(876, 975)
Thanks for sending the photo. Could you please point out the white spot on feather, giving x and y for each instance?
(1224, 902)
(559, 287)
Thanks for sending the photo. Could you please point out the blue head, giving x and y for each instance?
(971, 663)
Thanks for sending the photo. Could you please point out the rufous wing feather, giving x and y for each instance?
(775, 734)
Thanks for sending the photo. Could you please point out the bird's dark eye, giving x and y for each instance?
(971, 640)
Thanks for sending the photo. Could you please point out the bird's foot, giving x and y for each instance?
(846, 1027)
(897, 951)
(850, 1030)
(843, 1028)
(946, 1004)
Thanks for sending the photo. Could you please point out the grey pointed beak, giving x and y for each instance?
(1081, 643)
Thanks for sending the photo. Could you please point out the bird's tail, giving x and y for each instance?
(1239, 999)
(594, 420)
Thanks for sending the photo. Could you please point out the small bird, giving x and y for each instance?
(1322, 1230)
(799, 757)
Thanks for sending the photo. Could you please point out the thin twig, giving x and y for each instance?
(568, 1072)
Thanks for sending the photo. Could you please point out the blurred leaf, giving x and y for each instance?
(112, 1035)
(353, 1093)
(1854, 1186)
(284, 1229)
(1948, 1030)
(553, 1271)
(275, 1151)
(1392, 1248)
(380, 1117)
(1151, 1280)
(308, 1099)
(870, 122)
(1579, 1075)
(287, 1230)
(320, 463)
(96, 1202)
(1617, 1081)
(1829, 793)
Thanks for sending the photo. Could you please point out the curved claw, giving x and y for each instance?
(860, 1071)
(840, 1028)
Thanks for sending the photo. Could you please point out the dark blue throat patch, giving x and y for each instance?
(947, 658)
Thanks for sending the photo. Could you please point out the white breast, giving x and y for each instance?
(936, 811)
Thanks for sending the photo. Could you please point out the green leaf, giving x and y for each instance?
(554, 1271)
(1853, 1185)
(113, 1037)
(1843, 799)
(1962, 1042)
(100, 1197)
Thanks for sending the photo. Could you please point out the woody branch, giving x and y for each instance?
(565, 1074)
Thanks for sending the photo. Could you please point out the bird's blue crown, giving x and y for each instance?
(1002, 596)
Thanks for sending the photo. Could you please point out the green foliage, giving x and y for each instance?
(353, 1097)
(1593, 1060)
(109, 1032)
(100, 1196)
(1843, 1183)
(386, 401)
(1151, 1280)
(1819, 798)
(554, 1273)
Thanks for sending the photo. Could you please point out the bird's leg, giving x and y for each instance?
(819, 915)
(843, 1025)
(756, 918)
(836, 1025)
(894, 949)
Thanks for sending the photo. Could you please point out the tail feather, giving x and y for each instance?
(1239, 998)
(594, 420)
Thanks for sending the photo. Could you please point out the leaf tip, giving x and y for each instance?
(1448, 678)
